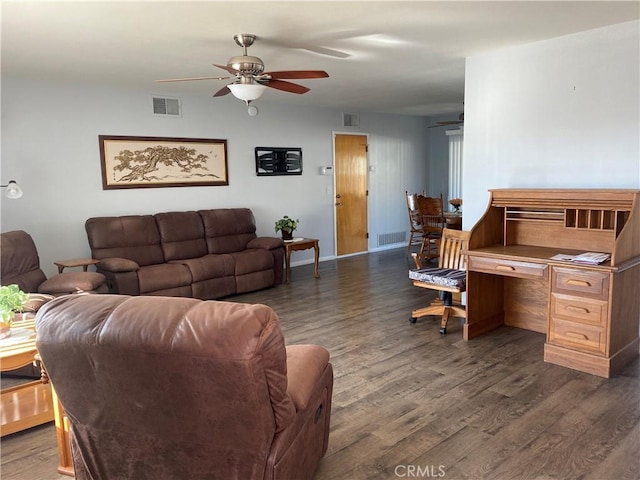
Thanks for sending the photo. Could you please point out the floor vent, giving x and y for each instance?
(166, 106)
(391, 238)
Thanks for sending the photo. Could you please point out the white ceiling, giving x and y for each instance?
(400, 57)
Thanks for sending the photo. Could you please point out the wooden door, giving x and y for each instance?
(351, 194)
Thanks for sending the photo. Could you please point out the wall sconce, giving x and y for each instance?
(13, 190)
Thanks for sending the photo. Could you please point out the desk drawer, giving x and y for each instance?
(583, 337)
(585, 310)
(573, 280)
(509, 268)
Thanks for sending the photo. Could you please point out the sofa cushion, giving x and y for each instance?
(135, 237)
(268, 243)
(440, 276)
(72, 282)
(249, 261)
(209, 266)
(162, 277)
(181, 235)
(228, 230)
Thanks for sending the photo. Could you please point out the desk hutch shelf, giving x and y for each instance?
(589, 313)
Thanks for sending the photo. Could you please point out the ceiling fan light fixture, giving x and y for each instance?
(247, 92)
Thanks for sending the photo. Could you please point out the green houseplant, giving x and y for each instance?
(287, 226)
(11, 301)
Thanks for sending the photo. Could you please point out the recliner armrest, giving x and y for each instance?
(118, 265)
(36, 300)
(268, 243)
(305, 365)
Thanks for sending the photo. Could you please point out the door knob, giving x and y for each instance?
(338, 204)
(338, 196)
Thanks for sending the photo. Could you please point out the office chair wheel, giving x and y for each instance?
(443, 331)
(413, 319)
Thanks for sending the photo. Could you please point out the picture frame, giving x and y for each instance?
(152, 162)
(278, 161)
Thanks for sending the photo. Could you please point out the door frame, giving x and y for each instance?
(333, 194)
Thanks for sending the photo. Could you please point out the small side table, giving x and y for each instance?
(454, 220)
(27, 404)
(301, 244)
(76, 262)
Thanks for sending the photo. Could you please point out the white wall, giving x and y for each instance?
(50, 147)
(557, 113)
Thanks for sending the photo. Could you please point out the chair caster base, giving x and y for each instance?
(443, 331)
(413, 319)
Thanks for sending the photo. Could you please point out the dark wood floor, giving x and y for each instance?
(409, 403)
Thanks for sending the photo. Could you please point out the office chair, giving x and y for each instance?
(448, 278)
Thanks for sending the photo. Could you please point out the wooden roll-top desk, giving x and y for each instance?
(589, 313)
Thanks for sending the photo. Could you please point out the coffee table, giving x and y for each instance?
(27, 404)
(300, 244)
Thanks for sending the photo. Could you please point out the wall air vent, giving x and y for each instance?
(166, 106)
(350, 120)
(391, 238)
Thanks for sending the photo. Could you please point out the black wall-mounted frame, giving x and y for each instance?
(278, 161)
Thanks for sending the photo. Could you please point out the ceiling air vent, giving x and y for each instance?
(350, 120)
(166, 106)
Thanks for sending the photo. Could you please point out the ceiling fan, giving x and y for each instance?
(250, 79)
(449, 122)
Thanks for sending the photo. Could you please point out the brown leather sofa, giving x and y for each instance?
(179, 388)
(203, 254)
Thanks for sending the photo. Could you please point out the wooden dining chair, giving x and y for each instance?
(415, 223)
(448, 278)
(432, 223)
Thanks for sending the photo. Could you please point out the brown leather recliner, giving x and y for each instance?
(180, 388)
(20, 265)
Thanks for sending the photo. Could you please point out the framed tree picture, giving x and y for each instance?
(141, 162)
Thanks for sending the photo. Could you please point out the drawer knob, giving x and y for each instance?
(508, 268)
(581, 336)
(578, 283)
(577, 309)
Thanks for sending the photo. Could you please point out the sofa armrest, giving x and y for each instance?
(305, 366)
(118, 265)
(268, 243)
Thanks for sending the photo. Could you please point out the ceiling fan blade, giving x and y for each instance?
(447, 123)
(286, 86)
(298, 74)
(223, 91)
(190, 79)
(329, 52)
(228, 69)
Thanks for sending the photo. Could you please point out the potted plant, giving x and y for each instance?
(287, 226)
(11, 301)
